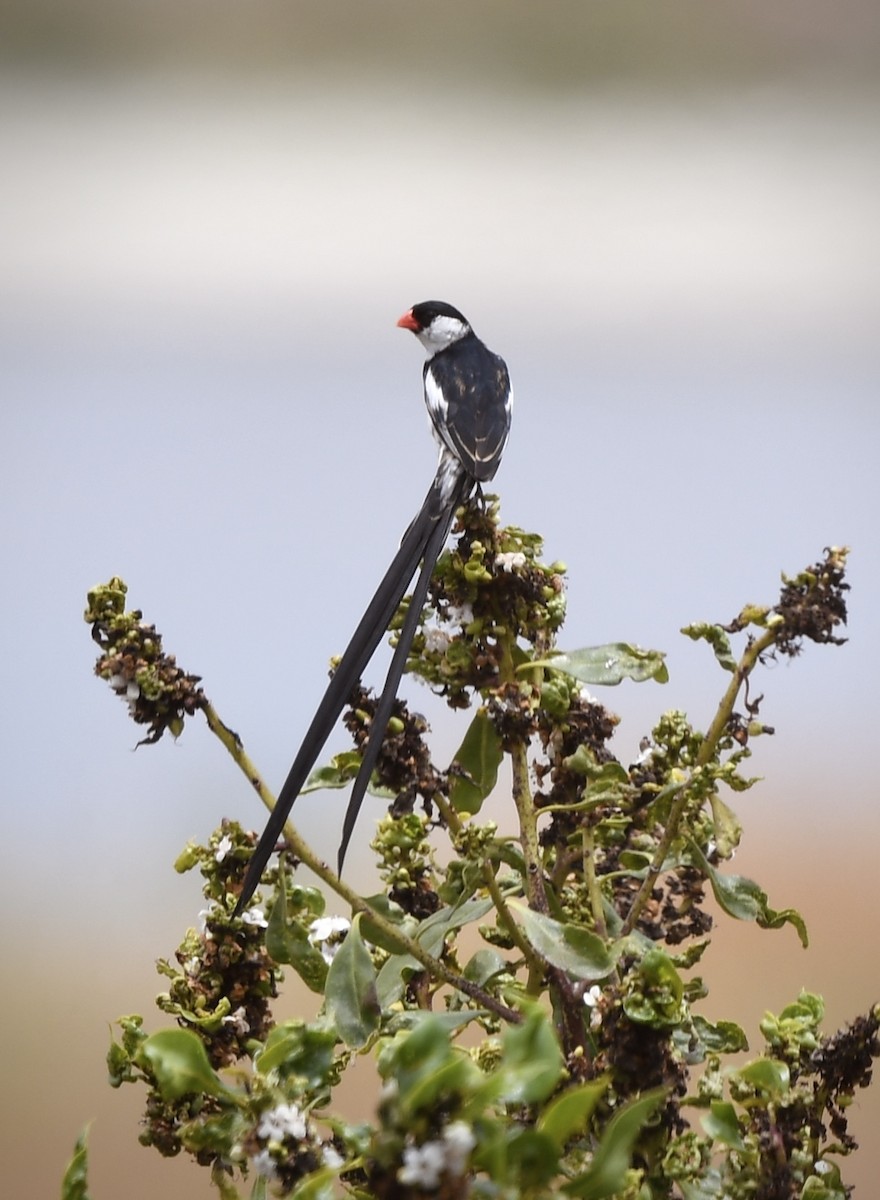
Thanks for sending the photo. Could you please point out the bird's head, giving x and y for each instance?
(435, 323)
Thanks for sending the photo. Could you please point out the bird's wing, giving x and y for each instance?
(469, 400)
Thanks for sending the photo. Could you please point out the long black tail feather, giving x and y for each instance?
(398, 662)
(433, 516)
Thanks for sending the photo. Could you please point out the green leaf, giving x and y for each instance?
(432, 932)
(569, 1113)
(339, 773)
(392, 978)
(608, 665)
(531, 1060)
(766, 1075)
(317, 1186)
(451, 1021)
(743, 899)
(717, 639)
(74, 1185)
(351, 990)
(613, 1158)
(572, 948)
(392, 913)
(287, 941)
(475, 765)
(426, 1066)
(828, 1186)
(301, 1049)
(532, 1158)
(721, 1123)
(432, 935)
(727, 828)
(657, 991)
(725, 1037)
(485, 965)
(179, 1062)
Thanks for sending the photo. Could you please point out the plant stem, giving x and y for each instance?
(528, 829)
(302, 851)
(595, 891)
(706, 753)
(453, 822)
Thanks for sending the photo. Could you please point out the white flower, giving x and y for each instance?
(213, 910)
(255, 916)
(286, 1120)
(591, 1000)
(223, 848)
(425, 1165)
(117, 682)
(238, 1020)
(326, 933)
(646, 752)
(264, 1164)
(459, 1140)
(460, 614)
(332, 1158)
(437, 641)
(512, 560)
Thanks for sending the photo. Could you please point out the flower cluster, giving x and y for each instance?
(447, 1155)
(285, 1147)
(158, 693)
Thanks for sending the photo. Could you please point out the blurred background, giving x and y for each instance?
(663, 216)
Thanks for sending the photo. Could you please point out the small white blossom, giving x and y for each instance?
(459, 1140)
(822, 1167)
(646, 752)
(286, 1120)
(591, 1000)
(223, 848)
(255, 916)
(264, 1164)
(238, 1020)
(332, 1158)
(512, 560)
(213, 910)
(117, 682)
(460, 614)
(425, 1165)
(326, 933)
(437, 641)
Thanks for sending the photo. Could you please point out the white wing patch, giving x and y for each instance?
(438, 410)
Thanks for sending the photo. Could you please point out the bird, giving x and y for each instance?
(469, 398)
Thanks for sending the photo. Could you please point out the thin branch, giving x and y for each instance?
(303, 852)
(705, 755)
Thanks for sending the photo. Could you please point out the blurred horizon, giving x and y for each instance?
(665, 220)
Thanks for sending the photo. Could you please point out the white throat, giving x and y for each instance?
(442, 332)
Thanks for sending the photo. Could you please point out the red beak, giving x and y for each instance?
(408, 321)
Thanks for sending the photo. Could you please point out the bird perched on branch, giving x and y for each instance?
(469, 400)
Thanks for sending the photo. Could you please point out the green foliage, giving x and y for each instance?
(74, 1184)
(526, 1000)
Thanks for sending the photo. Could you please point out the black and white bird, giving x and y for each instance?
(469, 401)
